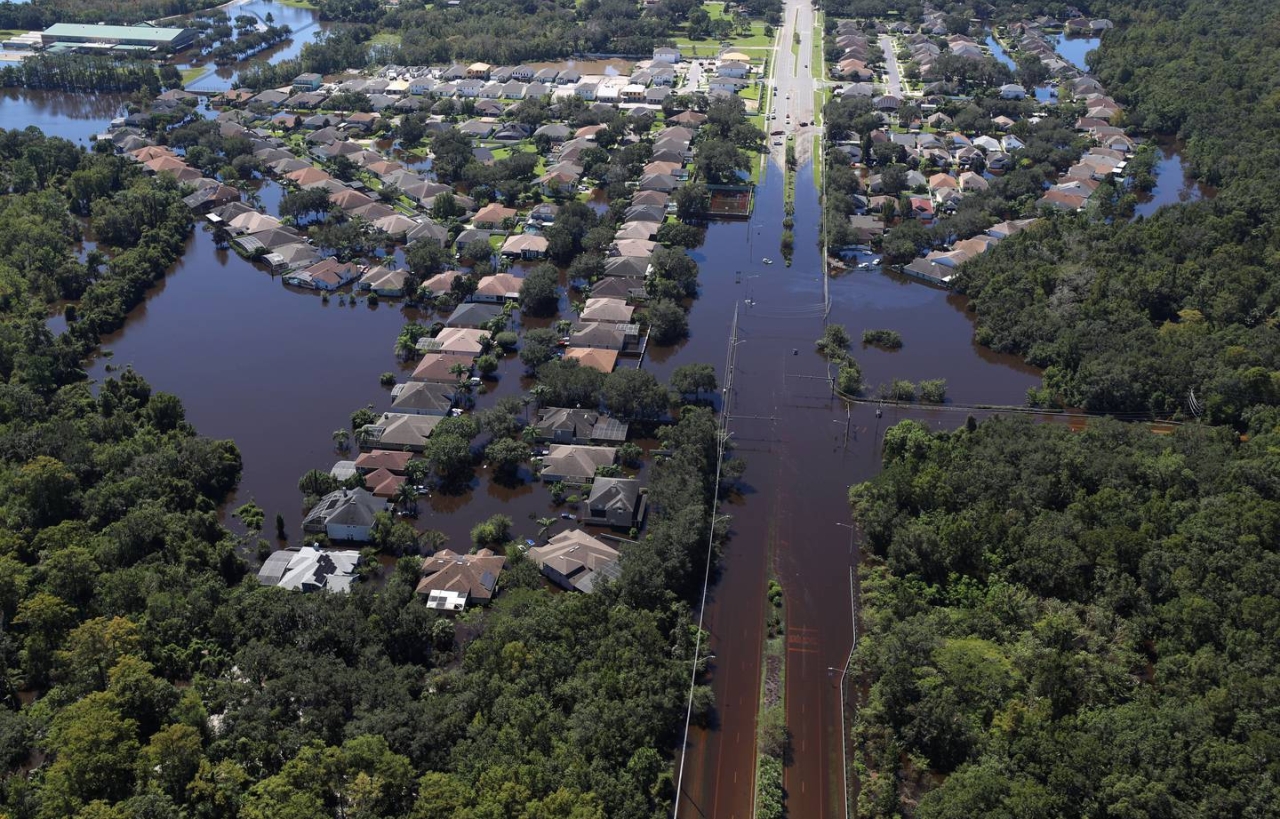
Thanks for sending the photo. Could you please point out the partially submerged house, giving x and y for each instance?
(344, 514)
(310, 569)
(452, 581)
(576, 561)
(616, 502)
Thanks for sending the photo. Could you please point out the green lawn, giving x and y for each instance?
(189, 74)
(390, 38)
(300, 4)
(6, 33)
(710, 47)
(715, 11)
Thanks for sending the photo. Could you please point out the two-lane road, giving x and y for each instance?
(892, 73)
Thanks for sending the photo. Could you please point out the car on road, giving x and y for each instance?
(804, 125)
(778, 132)
(777, 142)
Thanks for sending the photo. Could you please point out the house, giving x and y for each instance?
(456, 341)
(666, 55)
(384, 281)
(440, 368)
(326, 274)
(501, 287)
(452, 581)
(440, 283)
(310, 569)
(615, 502)
(630, 267)
(578, 426)
(611, 310)
(345, 514)
(1004, 230)
(576, 561)
(646, 231)
(478, 71)
(574, 463)
(400, 430)
(601, 360)
(1012, 91)
(544, 214)
(730, 85)
(524, 246)
(599, 335)
(422, 398)
(493, 215)
(383, 483)
(474, 315)
(382, 459)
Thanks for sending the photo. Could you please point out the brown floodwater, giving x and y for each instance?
(277, 370)
(803, 451)
(1174, 184)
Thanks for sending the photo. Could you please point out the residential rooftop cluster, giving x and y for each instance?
(935, 160)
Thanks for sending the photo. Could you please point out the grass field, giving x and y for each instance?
(390, 38)
(190, 74)
(6, 33)
(299, 4)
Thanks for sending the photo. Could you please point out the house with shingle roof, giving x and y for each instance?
(576, 561)
(452, 581)
(575, 463)
(345, 514)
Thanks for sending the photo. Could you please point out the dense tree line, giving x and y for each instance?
(83, 73)
(167, 683)
(1070, 623)
(40, 14)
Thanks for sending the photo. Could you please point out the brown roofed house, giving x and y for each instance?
(452, 581)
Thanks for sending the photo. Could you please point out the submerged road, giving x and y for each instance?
(803, 450)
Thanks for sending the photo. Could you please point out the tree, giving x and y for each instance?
(718, 161)
(693, 379)
(692, 200)
(667, 322)
(492, 532)
(505, 455)
(426, 258)
(678, 234)
(170, 761)
(540, 291)
(362, 417)
(487, 365)
(96, 751)
(634, 394)
(538, 348)
(306, 202)
(316, 483)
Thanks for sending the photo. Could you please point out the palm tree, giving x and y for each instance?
(407, 498)
(342, 439)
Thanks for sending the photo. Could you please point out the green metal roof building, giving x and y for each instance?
(172, 39)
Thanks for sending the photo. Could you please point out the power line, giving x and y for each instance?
(722, 436)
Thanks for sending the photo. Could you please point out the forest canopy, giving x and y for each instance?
(1071, 623)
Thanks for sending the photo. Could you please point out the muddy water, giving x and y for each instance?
(76, 117)
(1173, 184)
(305, 24)
(1074, 49)
(803, 451)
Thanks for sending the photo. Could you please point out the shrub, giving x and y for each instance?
(934, 391)
(888, 339)
(901, 390)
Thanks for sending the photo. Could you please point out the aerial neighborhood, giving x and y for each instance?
(958, 137)
(540, 222)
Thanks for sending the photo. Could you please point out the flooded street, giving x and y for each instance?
(804, 450)
(278, 371)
